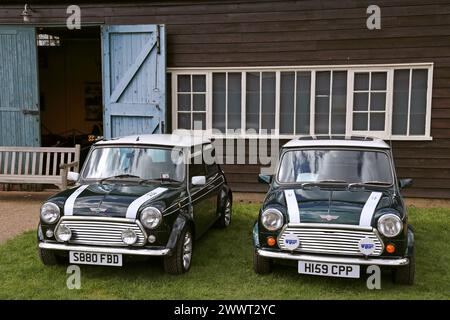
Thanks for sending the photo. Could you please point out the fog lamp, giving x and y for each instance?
(63, 233)
(129, 237)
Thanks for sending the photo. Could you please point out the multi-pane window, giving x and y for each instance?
(260, 101)
(369, 101)
(226, 102)
(191, 102)
(295, 99)
(330, 102)
(389, 102)
(409, 107)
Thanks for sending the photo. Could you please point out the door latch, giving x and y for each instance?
(30, 112)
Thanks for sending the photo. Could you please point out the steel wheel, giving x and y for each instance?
(187, 250)
(227, 215)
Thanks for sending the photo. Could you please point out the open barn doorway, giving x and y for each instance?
(70, 86)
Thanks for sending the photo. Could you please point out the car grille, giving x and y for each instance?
(102, 232)
(328, 240)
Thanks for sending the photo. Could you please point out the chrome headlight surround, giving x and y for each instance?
(151, 217)
(50, 213)
(272, 219)
(390, 225)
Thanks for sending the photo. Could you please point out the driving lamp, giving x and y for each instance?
(272, 219)
(129, 237)
(151, 217)
(63, 233)
(390, 225)
(49, 213)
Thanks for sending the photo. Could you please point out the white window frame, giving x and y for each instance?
(388, 104)
(351, 70)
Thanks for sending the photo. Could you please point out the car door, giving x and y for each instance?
(214, 181)
(200, 206)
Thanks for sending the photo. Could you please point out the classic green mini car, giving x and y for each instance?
(148, 195)
(333, 206)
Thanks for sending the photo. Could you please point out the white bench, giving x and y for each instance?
(35, 165)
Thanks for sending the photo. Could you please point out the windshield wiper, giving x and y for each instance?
(369, 184)
(159, 180)
(120, 176)
(323, 182)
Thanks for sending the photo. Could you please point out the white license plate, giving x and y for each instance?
(329, 269)
(95, 258)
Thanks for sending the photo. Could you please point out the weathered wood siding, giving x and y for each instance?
(310, 32)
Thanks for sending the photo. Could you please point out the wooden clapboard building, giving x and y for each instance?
(295, 67)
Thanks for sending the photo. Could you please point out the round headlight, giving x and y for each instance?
(272, 219)
(129, 237)
(63, 233)
(151, 217)
(390, 225)
(49, 213)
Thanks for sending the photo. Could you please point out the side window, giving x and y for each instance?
(209, 158)
(197, 166)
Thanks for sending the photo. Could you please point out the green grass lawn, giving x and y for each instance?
(222, 269)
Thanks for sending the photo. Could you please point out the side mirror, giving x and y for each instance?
(403, 183)
(198, 180)
(263, 178)
(73, 176)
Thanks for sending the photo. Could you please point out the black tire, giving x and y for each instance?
(225, 214)
(49, 258)
(174, 264)
(405, 274)
(261, 265)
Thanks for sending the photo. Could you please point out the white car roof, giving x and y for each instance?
(166, 140)
(337, 141)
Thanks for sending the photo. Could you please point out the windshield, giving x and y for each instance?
(144, 163)
(350, 166)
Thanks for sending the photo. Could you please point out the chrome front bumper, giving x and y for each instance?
(135, 252)
(330, 259)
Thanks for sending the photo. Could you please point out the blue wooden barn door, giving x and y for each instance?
(19, 97)
(134, 79)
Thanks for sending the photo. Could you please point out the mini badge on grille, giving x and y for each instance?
(98, 210)
(291, 241)
(366, 246)
(328, 217)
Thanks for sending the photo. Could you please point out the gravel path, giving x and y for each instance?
(19, 212)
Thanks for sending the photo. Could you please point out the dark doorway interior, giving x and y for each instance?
(70, 84)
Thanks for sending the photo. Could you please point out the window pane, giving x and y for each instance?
(199, 83)
(184, 121)
(252, 99)
(360, 121)
(400, 102)
(234, 101)
(184, 102)
(361, 81)
(184, 83)
(339, 102)
(268, 101)
(218, 113)
(379, 80)
(418, 101)
(199, 121)
(302, 121)
(360, 101)
(199, 101)
(377, 121)
(287, 92)
(322, 102)
(378, 101)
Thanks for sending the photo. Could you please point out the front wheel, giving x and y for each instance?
(261, 265)
(405, 274)
(225, 216)
(180, 260)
